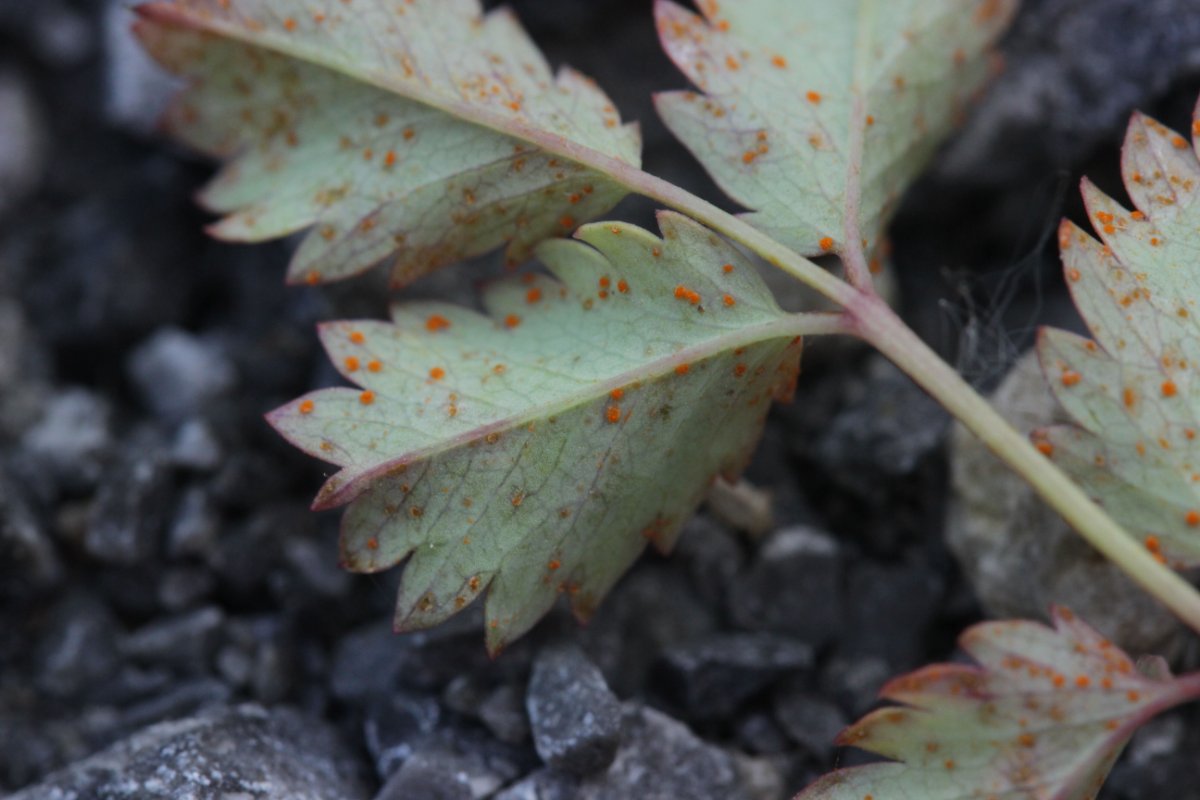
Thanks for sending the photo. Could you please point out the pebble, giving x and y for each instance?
(545, 784)
(28, 557)
(793, 586)
(130, 510)
(196, 447)
(397, 726)
(714, 675)
(503, 712)
(178, 374)
(894, 608)
(574, 717)
(662, 759)
(22, 140)
(73, 438)
(227, 754)
(77, 648)
(193, 530)
(810, 720)
(185, 643)
(884, 430)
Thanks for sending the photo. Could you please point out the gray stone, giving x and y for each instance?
(179, 700)
(653, 608)
(193, 530)
(575, 718)
(1020, 556)
(22, 141)
(315, 564)
(244, 752)
(793, 586)
(130, 510)
(758, 733)
(78, 648)
(885, 430)
(545, 784)
(186, 642)
(661, 759)
(810, 720)
(235, 665)
(715, 675)
(73, 437)
(712, 555)
(138, 89)
(441, 775)
(1073, 71)
(428, 779)
(24, 368)
(178, 374)
(397, 727)
(503, 712)
(195, 446)
(181, 588)
(267, 641)
(372, 660)
(855, 681)
(27, 554)
(894, 607)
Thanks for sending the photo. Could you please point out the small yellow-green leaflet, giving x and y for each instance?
(364, 123)
(535, 451)
(816, 114)
(1132, 389)
(1042, 717)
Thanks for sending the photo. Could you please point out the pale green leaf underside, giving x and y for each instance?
(800, 95)
(539, 448)
(1042, 717)
(1133, 391)
(313, 103)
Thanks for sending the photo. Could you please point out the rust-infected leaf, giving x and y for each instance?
(1043, 716)
(536, 450)
(1131, 389)
(817, 114)
(372, 125)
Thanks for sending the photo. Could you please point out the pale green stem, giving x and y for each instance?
(867, 315)
(879, 325)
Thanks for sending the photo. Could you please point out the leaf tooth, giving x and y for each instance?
(1156, 165)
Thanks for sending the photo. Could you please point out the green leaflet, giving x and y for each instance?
(536, 450)
(369, 124)
(818, 114)
(1044, 715)
(1131, 391)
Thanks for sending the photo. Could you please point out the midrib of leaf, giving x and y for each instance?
(336, 494)
(629, 176)
(853, 257)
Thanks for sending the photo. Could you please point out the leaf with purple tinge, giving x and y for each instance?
(1042, 717)
(816, 114)
(368, 124)
(1131, 389)
(536, 450)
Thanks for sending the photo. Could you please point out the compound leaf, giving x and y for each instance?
(818, 114)
(1130, 389)
(537, 449)
(372, 124)
(1043, 716)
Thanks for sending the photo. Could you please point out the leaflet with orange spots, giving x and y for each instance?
(452, 407)
(1132, 389)
(315, 105)
(1043, 714)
